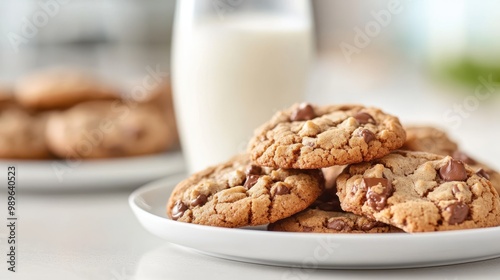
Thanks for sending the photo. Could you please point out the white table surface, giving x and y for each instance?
(95, 235)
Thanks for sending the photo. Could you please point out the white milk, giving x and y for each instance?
(230, 75)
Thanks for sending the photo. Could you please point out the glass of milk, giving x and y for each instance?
(235, 63)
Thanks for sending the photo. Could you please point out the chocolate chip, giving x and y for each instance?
(337, 224)
(250, 181)
(304, 112)
(376, 198)
(364, 118)
(368, 136)
(282, 189)
(199, 200)
(369, 225)
(178, 210)
(463, 157)
(253, 170)
(454, 170)
(483, 174)
(459, 212)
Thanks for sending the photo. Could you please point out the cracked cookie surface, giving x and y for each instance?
(418, 192)
(434, 140)
(307, 136)
(237, 194)
(326, 216)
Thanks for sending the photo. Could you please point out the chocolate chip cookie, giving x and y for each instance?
(433, 140)
(326, 216)
(237, 194)
(307, 136)
(22, 133)
(418, 192)
(429, 139)
(319, 221)
(103, 129)
(60, 88)
(481, 168)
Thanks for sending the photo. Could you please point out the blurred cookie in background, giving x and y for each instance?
(159, 95)
(88, 118)
(429, 139)
(162, 97)
(434, 140)
(22, 133)
(60, 88)
(5, 94)
(105, 129)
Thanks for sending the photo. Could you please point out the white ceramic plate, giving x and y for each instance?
(313, 250)
(119, 173)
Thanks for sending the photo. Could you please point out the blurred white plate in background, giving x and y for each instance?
(117, 173)
(312, 250)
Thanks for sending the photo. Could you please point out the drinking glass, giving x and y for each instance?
(234, 63)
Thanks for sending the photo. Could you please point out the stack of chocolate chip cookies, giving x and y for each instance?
(388, 182)
(70, 114)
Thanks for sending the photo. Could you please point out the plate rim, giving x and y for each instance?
(155, 224)
(50, 175)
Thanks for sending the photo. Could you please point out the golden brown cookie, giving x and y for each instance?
(237, 193)
(418, 192)
(22, 133)
(307, 136)
(60, 88)
(433, 140)
(5, 94)
(480, 167)
(103, 129)
(326, 216)
(429, 139)
(319, 221)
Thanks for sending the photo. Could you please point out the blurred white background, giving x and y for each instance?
(457, 36)
(91, 21)
(383, 52)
